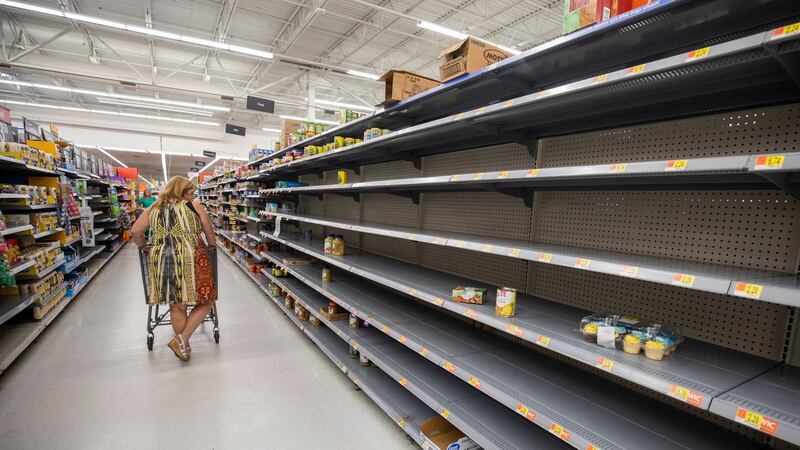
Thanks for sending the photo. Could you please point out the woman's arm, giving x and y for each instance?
(139, 227)
(208, 229)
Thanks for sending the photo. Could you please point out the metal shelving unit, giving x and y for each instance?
(15, 230)
(42, 273)
(11, 305)
(47, 233)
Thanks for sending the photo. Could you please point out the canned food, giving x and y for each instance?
(349, 141)
(506, 302)
(326, 275)
(363, 360)
(354, 321)
(342, 177)
(338, 142)
(385, 131)
(352, 352)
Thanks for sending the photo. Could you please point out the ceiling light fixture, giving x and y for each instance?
(164, 166)
(112, 157)
(304, 119)
(343, 105)
(158, 107)
(367, 75)
(459, 35)
(110, 113)
(114, 95)
(139, 30)
(156, 152)
(271, 130)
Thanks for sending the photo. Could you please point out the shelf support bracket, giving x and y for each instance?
(355, 168)
(525, 195)
(782, 181)
(790, 63)
(354, 195)
(415, 160)
(413, 195)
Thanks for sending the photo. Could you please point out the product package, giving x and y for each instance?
(631, 335)
(469, 295)
(468, 56)
(506, 302)
(582, 13)
(438, 433)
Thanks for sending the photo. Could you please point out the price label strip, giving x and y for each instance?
(676, 164)
(748, 290)
(686, 395)
(769, 162)
(683, 280)
(559, 431)
(605, 364)
(698, 54)
(785, 31)
(526, 412)
(754, 420)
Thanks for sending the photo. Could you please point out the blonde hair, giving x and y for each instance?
(175, 189)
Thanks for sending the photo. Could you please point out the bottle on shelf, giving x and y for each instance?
(338, 245)
(328, 250)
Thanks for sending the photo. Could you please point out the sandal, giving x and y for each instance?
(178, 346)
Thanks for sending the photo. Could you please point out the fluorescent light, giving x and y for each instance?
(164, 165)
(459, 35)
(110, 113)
(94, 20)
(343, 105)
(271, 130)
(139, 30)
(112, 157)
(303, 119)
(358, 73)
(440, 29)
(151, 106)
(123, 96)
(293, 118)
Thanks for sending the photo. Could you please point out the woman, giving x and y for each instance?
(147, 199)
(179, 270)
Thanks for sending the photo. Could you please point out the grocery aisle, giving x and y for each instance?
(90, 383)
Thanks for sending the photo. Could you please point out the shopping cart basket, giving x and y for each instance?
(155, 317)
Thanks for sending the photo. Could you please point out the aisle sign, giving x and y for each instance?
(209, 154)
(200, 163)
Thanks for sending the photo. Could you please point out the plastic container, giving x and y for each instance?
(338, 245)
(327, 274)
(328, 250)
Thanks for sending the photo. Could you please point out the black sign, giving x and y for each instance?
(194, 169)
(210, 154)
(234, 129)
(199, 163)
(260, 104)
(33, 130)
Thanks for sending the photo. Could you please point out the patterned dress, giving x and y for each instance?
(178, 263)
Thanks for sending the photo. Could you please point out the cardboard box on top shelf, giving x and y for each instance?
(468, 56)
(401, 85)
(440, 434)
(582, 13)
(288, 126)
(622, 6)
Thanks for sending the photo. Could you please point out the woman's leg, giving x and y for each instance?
(195, 319)
(177, 314)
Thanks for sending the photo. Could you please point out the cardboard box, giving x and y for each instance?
(468, 56)
(469, 295)
(288, 126)
(440, 434)
(401, 85)
(582, 13)
(621, 6)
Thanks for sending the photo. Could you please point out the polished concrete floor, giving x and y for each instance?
(89, 382)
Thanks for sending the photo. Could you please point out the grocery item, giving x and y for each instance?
(582, 13)
(401, 85)
(326, 274)
(469, 295)
(469, 55)
(630, 334)
(654, 350)
(632, 344)
(328, 250)
(314, 320)
(342, 177)
(332, 308)
(338, 245)
(506, 302)
(363, 360)
(352, 352)
(354, 322)
(437, 433)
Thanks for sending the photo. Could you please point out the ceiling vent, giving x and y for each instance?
(226, 98)
(128, 84)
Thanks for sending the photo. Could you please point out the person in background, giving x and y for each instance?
(147, 199)
(179, 269)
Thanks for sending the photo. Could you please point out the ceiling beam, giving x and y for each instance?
(148, 23)
(223, 23)
(38, 45)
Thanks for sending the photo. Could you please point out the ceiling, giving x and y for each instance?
(315, 43)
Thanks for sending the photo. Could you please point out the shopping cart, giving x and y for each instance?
(155, 317)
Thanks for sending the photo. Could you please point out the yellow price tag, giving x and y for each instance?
(477, 176)
(786, 30)
(438, 301)
(449, 366)
(480, 110)
(582, 263)
(469, 312)
(618, 168)
(559, 431)
(748, 290)
(401, 421)
(600, 78)
(769, 162)
(515, 330)
(503, 174)
(444, 412)
(545, 257)
(682, 279)
(676, 164)
(629, 271)
(605, 364)
(458, 116)
(544, 341)
(697, 54)
(423, 351)
(487, 248)
(533, 172)
(403, 339)
(513, 252)
(461, 244)
(526, 412)
(508, 103)
(636, 69)
(475, 382)
(412, 291)
(404, 382)
(754, 420)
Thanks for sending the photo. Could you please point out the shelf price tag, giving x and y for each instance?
(683, 280)
(412, 291)
(404, 382)
(635, 69)
(515, 330)
(559, 431)
(769, 162)
(449, 366)
(698, 54)
(748, 290)
(582, 263)
(629, 271)
(480, 110)
(403, 340)
(469, 312)
(600, 78)
(401, 422)
(604, 364)
(503, 174)
(686, 395)
(544, 341)
(676, 164)
(754, 420)
(545, 257)
(385, 329)
(618, 168)
(444, 412)
(475, 382)
(423, 351)
(455, 178)
(477, 176)
(508, 103)
(785, 31)
(486, 248)
(438, 301)
(526, 412)
(533, 172)
(458, 117)
(461, 244)
(513, 252)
